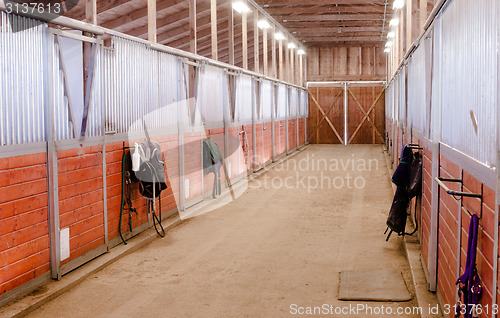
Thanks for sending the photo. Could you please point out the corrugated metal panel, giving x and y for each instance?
(267, 100)
(435, 133)
(302, 103)
(131, 83)
(168, 83)
(416, 90)
(402, 96)
(62, 123)
(210, 97)
(258, 109)
(139, 84)
(388, 102)
(282, 102)
(469, 67)
(306, 102)
(22, 111)
(94, 124)
(294, 98)
(244, 98)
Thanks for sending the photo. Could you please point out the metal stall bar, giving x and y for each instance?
(345, 113)
(274, 104)
(440, 182)
(254, 135)
(52, 179)
(287, 109)
(297, 117)
(497, 190)
(180, 137)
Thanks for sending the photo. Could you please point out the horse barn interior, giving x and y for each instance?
(249, 158)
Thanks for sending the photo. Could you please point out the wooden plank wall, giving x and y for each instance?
(370, 131)
(331, 100)
(346, 63)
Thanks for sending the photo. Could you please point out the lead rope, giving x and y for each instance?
(160, 232)
(471, 290)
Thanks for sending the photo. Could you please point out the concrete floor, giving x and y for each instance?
(271, 251)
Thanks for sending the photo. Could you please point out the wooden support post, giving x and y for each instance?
(408, 20)
(280, 59)
(91, 11)
(152, 20)
(301, 78)
(286, 73)
(230, 32)
(192, 26)
(264, 50)
(415, 27)
(90, 17)
(213, 26)
(422, 13)
(273, 47)
(244, 40)
(401, 35)
(291, 79)
(297, 69)
(256, 40)
(304, 74)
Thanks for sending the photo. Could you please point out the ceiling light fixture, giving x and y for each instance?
(388, 44)
(301, 52)
(394, 22)
(263, 24)
(387, 50)
(391, 34)
(240, 7)
(398, 4)
(292, 45)
(279, 36)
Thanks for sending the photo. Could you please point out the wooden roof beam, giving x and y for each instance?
(331, 9)
(331, 17)
(343, 39)
(221, 41)
(181, 32)
(204, 36)
(303, 31)
(173, 24)
(329, 24)
(337, 34)
(122, 21)
(78, 12)
(315, 2)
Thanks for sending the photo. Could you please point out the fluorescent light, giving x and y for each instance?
(241, 7)
(391, 34)
(301, 52)
(388, 44)
(398, 4)
(279, 36)
(263, 24)
(387, 49)
(291, 45)
(394, 22)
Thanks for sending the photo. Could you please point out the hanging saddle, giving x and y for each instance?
(151, 174)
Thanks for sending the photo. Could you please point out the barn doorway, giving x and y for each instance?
(347, 113)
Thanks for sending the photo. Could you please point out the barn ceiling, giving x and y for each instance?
(332, 21)
(313, 22)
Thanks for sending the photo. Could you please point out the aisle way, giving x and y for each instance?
(256, 257)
